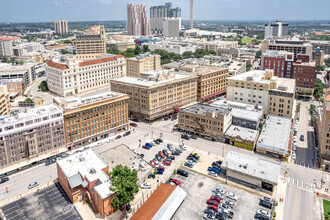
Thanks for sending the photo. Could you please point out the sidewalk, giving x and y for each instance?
(85, 211)
(281, 192)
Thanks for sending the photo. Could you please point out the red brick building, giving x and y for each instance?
(304, 73)
(84, 177)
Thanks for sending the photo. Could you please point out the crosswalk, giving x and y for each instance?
(301, 184)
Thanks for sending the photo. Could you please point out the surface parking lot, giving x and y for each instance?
(199, 189)
(49, 203)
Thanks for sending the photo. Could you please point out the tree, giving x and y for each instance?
(63, 51)
(145, 48)
(248, 66)
(28, 100)
(43, 86)
(320, 68)
(5, 60)
(318, 88)
(312, 109)
(298, 107)
(313, 119)
(327, 62)
(125, 185)
(137, 49)
(258, 54)
(187, 54)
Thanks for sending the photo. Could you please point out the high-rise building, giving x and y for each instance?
(6, 48)
(61, 27)
(171, 27)
(70, 75)
(157, 93)
(26, 135)
(258, 87)
(283, 65)
(191, 14)
(93, 117)
(276, 29)
(26, 72)
(93, 41)
(4, 103)
(137, 20)
(160, 13)
(142, 63)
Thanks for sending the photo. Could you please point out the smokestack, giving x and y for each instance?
(191, 14)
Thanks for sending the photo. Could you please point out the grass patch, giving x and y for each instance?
(326, 207)
(246, 40)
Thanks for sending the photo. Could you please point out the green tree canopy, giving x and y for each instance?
(248, 66)
(145, 48)
(125, 185)
(43, 86)
(137, 49)
(318, 88)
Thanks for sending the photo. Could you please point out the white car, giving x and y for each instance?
(263, 212)
(295, 138)
(32, 185)
(294, 148)
(145, 186)
(231, 196)
(217, 190)
(212, 173)
(297, 121)
(293, 156)
(110, 140)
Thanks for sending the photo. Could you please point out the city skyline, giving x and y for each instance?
(108, 10)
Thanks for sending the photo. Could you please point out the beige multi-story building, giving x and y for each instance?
(4, 103)
(205, 120)
(71, 75)
(91, 118)
(323, 128)
(61, 27)
(259, 87)
(31, 136)
(93, 41)
(142, 63)
(26, 72)
(137, 20)
(157, 93)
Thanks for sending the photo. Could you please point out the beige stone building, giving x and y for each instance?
(61, 27)
(323, 128)
(92, 42)
(4, 103)
(205, 120)
(157, 93)
(142, 63)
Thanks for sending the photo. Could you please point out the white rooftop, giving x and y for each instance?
(275, 134)
(89, 165)
(254, 76)
(244, 133)
(252, 166)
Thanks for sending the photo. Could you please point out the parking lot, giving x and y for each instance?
(49, 203)
(199, 189)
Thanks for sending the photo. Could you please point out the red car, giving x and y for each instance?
(176, 182)
(212, 202)
(215, 198)
(213, 207)
(161, 154)
(160, 168)
(167, 163)
(133, 124)
(152, 163)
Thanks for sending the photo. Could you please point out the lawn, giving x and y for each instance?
(246, 40)
(326, 207)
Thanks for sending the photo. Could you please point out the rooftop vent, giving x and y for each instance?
(92, 171)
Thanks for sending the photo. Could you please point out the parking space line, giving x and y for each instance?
(69, 216)
(302, 184)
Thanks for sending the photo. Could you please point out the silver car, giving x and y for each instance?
(32, 185)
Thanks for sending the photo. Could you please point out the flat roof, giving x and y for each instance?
(89, 165)
(285, 85)
(162, 204)
(255, 75)
(146, 82)
(243, 133)
(202, 109)
(252, 166)
(142, 56)
(275, 134)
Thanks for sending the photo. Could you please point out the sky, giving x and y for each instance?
(106, 10)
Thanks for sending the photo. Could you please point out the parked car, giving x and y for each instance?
(294, 148)
(193, 137)
(302, 137)
(161, 154)
(217, 165)
(212, 173)
(231, 196)
(133, 124)
(170, 147)
(160, 172)
(165, 152)
(263, 212)
(265, 204)
(160, 168)
(217, 190)
(213, 207)
(185, 136)
(260, 217)
(158, 157)
(135, 120)
(196, 155)
(210, 211)
(294, 156)
(216, 198)
(118, 136)
(182, 172)
(145, 186)
(209, 217)
(228, 203)
(221, 196)
(159, 140)
(148, 144)
(188, 164)
(175, 181)
(3, 180)
(171, 157)
(110, 140)
(264, 198)
(32, 185)
(152, 163)
(146, 147)
(167, 163)
(50, 161)
(212, 202)
(176, 152)
(126, 133)
(221, 216)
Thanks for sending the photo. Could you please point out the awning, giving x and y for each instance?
(214, 94)
(176, 109)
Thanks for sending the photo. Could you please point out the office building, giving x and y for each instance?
(171, 27)
(137, 20)
(4, 103)
(323, 132)
(35, 134)
(26, 72)
(276, 29)
(241, 137)
(93, 41)
(24, 49)
(61, 27)
(295, 46)
(157, 93)
(323, 45)
(191, 14)
(275, 95)
(84, 176)
(318, 57)
(158, 14)
(284, 66)
(6, 47)
(93, 117)
(69, 75)
(171, 47)
(205, 120)
(275, 138)
(142, 63)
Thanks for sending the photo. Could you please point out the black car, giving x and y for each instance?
(165, 153)
(182, 172)
(185, 136)
(192, 158)
(187, 164)
(194, 155)
(158, 157)
(126, 133)
(176, 152)
(261, 217)
(266, 204)
(266, 199)
(3, 180)
(166, 118)
(216, 165)
(219, 162)
(302, 138)
(209, 211)
(159, 140)
(193, 137)
(135, 120)
(221, 216)
(119, 136)
(142, 155)
(50, 161)
(171, 157)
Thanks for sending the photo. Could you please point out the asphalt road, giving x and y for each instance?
(299, 204)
